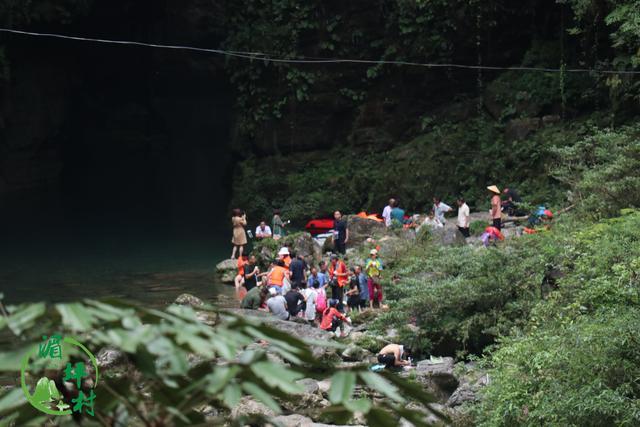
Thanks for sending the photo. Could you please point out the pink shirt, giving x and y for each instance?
(495, 207)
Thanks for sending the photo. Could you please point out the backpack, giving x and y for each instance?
(321, 302)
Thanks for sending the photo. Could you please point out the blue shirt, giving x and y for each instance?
(364, 286)
(322, 279)
(398, 215)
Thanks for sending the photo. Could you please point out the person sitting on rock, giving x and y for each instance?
(440, 208)
(277, 305)
(263, 231)
(332, 319)
(353, 294)
(391, 356)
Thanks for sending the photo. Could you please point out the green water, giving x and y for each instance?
(151, 266)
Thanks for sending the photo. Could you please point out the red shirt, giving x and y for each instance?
(328, 316)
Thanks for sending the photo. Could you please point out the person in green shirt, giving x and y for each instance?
(254, 299)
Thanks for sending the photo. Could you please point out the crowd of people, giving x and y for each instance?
(322, 295)
(325, 294)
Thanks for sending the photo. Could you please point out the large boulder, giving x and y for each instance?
(227, 270)
(301, 243)
(391, 248)
(449, 235)
(437, 376)
(190, 300)
(295, 329)
(360, 229)
(471, 381)
(310, 402)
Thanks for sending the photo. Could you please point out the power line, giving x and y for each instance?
(302, 60)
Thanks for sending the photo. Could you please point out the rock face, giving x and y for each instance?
(360, 229)
(471, 381)
(248, 406)
(227, 270)
(295, 329)
(519, 129)
(390, 247)
(437, 376)
(110, 357)
(449, 235)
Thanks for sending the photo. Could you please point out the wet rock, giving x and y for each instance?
(227, 270)
(190, 300)
(248, 406)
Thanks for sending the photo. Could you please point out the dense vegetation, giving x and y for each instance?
(186, 367)
(554, 314)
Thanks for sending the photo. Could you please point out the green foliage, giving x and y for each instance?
(469, 297)
(601, 170)
(352, 179)
(578, 360)
(178, 364)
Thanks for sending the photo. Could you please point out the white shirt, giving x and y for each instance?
(463, 216)
(262, 233)
(386, 214)
(440, 210)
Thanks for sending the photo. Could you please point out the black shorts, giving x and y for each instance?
(388, 360)
(497, 223)
(464, 231)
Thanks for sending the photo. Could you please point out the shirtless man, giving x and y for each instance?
(391, 355)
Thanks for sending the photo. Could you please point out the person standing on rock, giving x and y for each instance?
(496, 207)
(386, 212)
(391, 356)
(464, 218)
(239, 240)
(311, 297)
(440, 208)
(340, 233)
(373, 267)
(251, 273)
(298, 271)
(397, 215)
(277, 225)
(338, 278)
(363, 285)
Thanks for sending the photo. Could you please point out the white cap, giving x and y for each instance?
(272, 291)
(284, 251)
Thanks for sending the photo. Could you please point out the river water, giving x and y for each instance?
(149, 264)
